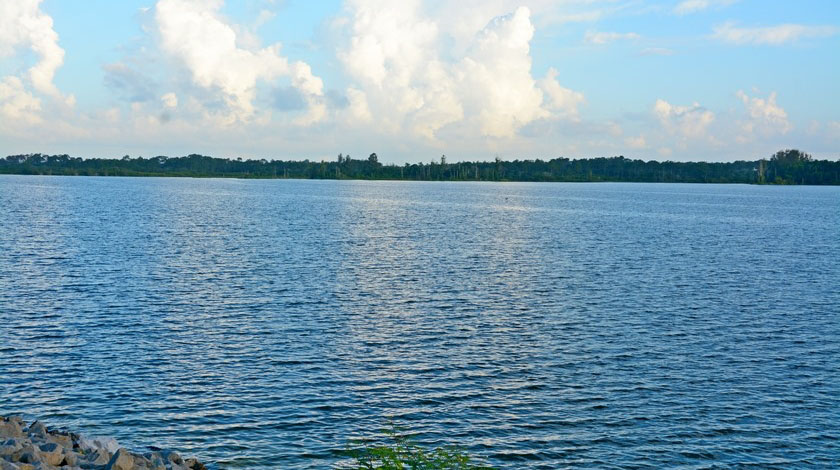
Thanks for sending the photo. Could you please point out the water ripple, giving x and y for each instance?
(264, 324)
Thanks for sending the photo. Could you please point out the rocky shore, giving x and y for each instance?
(36, 447)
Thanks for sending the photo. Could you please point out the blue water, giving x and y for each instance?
(263, 324)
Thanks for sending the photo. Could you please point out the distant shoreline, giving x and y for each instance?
(787, 167)
(257, 178)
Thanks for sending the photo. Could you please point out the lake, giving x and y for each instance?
(264, 323)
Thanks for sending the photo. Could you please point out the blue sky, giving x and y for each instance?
(411, 80)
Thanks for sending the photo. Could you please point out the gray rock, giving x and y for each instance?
(98, 457)
(37, 429)
(52, 453)
(4, 465)
(173, 457)
(27, 454)
(154, 461)
(8, 448)
(11, 428)
(70, 458)
(45, 466)
(122, 460)
(64, 440)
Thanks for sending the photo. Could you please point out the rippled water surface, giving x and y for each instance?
(262, 324)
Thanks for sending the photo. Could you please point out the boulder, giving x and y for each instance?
(45, 466)
(98, 457)
(9, 447)
(154, 461)
(122, 460)
(10, 427)
(52, 453)
(64, 440)
(194, 464)
(4, 465)
(71, 458)
(37, 429)
(27, 454)
(173, 457)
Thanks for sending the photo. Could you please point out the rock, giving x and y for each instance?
(194, 464)
(155, 461)
(37, 429)
(52, 453)
(45, 466)
(64, 440)
(122, 460)
(27, 454)
(98, 457)
(11, 428)
(70, 458)
(37, 448)
(8, 448)
(4, 465)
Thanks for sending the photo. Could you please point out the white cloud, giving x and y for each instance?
(16, 104)
(766, 117)
(595, 37)
(687, 121)
(392, 55)
(497, 76)
(561, 100)
(693, 6)
(23, 26)
(410, 77)
(193, 32)
(770, 35)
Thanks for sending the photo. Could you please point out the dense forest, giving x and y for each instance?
(784, 167)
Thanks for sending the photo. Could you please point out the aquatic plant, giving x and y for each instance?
(400, 452)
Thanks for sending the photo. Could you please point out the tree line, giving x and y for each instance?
(783, 167)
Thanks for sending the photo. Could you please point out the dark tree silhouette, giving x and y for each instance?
(783, 167)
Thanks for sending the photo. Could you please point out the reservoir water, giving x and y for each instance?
(264, 324)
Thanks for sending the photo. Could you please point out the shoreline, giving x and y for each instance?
(34, 446)
(397, 180)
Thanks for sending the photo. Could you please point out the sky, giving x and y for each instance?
(712, 80)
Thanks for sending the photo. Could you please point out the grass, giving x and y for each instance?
(400, 453)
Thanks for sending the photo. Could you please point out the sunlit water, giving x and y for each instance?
(263, 324)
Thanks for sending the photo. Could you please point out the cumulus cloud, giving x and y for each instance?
(193, 32)
(687, 121)
(23, 26)
(497, 75)
(770, 35)
(16, 104)
(693, 6)
(405, 78)
(560, 99)
(392, 56)
(600, 38)
(766, 117)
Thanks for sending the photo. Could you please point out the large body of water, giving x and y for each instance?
(263, 324)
